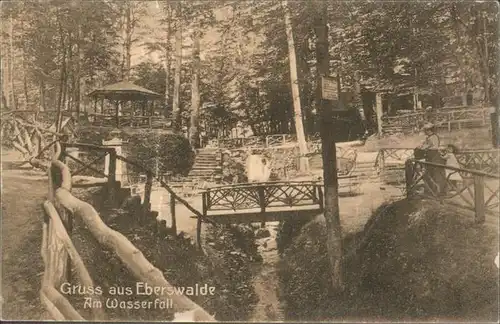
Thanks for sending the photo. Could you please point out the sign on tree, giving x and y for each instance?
(330, 91)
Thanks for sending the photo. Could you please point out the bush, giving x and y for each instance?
(143, 145)
(174, 152)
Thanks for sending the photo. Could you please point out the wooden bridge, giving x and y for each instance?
(262, 202)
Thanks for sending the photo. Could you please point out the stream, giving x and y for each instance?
(266, 280)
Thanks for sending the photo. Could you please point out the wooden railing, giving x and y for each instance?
(94, 162)
(60, 209)
(262, 196)
(257, 141)
(174, 198)
(476, 190)
(129, 121)
(280, 139)
(480, 160)
(483, 160)
(413, 122)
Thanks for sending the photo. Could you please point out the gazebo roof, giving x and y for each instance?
(125, 90)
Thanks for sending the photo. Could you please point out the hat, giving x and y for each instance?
(428, 126)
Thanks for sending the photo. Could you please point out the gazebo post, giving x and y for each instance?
(102, 106)
(143, 107)
(95, 105)
(117, 116)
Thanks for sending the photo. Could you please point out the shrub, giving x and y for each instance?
(174, 153)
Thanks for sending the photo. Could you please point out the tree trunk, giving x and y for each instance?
(25, 78)
(486, 73)
(331, 208)
(176, 110)
(5, 85)
(194, 132)
(299, 127)
(128, 41)
(61, 80)
(11, 68)
(78, 73)
(307, 96)
(25, 85)
(167, 58)
(42, 96)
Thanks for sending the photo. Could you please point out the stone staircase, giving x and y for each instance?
(206, 165)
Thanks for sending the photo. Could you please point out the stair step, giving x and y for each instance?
(202, 167)
(206, 162)
(206, 157)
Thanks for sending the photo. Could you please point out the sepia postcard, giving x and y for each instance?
(250, 161)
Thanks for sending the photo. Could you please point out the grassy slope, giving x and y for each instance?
(414, 262)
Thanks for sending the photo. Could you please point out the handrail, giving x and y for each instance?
(88, 146)
(382, 151)
(78, 263)
(166, 186)
(261, 184)
(473, 172)
(133, 258)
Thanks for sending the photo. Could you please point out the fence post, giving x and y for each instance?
(172, 214)
(479, 206)
(382, 161)
(320, 197)
(408, 177)
(112, 194)
(60, 273)
(115, 145)
(262, 198)
(63, 152)
(146, 206)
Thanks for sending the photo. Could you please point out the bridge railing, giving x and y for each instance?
(59, 254)
(471, 189)
(262, 196)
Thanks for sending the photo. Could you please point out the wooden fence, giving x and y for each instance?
(60, 255)
(267, 141)
(477, 191)
(480, 160)
(154, 122)
(443, 118)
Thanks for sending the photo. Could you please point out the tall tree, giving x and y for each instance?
(194, 131)
(327, 131)
(176, 109)
(168, 8)
(299, 127)
(11, 65)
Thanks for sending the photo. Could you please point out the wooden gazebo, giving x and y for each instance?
(132, 105)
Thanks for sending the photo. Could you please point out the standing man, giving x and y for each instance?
(436, 176)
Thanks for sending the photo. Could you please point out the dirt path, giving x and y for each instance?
(22, 265)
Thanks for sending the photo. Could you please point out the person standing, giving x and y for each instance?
(435, 176)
